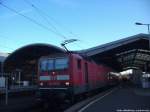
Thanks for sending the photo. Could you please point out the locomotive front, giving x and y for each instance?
(54, 76)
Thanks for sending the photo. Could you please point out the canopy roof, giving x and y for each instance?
(29, 53)
(130, 52)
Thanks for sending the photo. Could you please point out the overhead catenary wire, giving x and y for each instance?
(47, 18)
(32, 20)
(50, 18)
(13, 41)
(42, 15)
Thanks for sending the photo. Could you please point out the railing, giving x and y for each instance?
(16, 85)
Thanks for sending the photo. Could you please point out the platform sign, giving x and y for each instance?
(2, 82)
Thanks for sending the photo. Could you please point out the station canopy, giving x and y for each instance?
(130, 52)
(32, 52)
(25, 60)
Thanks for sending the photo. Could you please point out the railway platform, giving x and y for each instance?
(19, 98)
(117, 99)
(120, 99)
(21, 103)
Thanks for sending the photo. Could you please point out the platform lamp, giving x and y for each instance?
(148, 26)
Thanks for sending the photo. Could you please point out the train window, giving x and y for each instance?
(43, 65)
(79, 63)
(50, 64)
(61, 63)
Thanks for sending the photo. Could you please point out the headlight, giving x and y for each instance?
(41, 83)
(67, 83)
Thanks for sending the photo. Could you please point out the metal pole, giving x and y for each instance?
(6, 91)
(149, 34)
(149, 42)
(148, 28)
(149, 37)
(2, 70)
(19, 78)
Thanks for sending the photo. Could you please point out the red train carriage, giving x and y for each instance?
(66, 75)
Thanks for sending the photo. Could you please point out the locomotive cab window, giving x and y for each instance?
(50, 64)
(79, 64)
(43, 65)
(61, 63)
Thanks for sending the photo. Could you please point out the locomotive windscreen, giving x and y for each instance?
(53, 64)
(53, 70)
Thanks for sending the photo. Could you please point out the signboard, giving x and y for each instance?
(2, 82)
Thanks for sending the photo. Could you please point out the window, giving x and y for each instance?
(43, 65)
(79, 63)
(61, 63)
(50, 64)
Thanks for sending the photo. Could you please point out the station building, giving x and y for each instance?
(128, 53)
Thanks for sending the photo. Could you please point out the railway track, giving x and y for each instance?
(54, 106)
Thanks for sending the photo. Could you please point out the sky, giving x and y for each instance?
(92, 22)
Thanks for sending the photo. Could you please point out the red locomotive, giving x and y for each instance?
(66, 75)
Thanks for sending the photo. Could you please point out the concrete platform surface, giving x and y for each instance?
(17, 103)
(126, 99)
